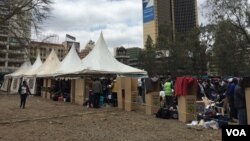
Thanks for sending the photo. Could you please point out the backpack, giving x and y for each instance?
(163, 113)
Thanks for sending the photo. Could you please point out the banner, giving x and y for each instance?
(70, 38)
(148, 10)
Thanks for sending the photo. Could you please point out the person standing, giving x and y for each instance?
(23, 92)
(139, 86)
(239, 103)
(168, 92)
(230, 97)
(97, 90)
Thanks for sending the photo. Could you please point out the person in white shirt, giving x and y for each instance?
(23, 92)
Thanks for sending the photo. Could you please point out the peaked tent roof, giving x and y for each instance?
(20, 71)
(35, 66)
(70, 63)
(48, 66)
(100, 60)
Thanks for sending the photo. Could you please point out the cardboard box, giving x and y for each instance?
(186, 108)
(43, 94)
(79, 91)
(120, 93)
(247, 95)
(128, 94)
(152, 103)
(72, 91)
(48, 95)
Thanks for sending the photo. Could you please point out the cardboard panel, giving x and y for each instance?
(49, 83)
(72, 91)
(79, 91)
(186, 108)
(128, 99)
(43, 94)
(118, 89)
(247, 94)
(134, 84)
(152, 103)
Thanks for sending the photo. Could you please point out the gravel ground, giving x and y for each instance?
(46, 120)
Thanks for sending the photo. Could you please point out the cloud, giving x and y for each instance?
(202, 19)
(120, 21)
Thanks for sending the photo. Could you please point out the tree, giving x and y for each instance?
(21, 15)
(229, 49)
(235, 12)
(185, 53)
(147, 58)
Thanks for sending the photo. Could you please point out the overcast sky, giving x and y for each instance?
(119, 20)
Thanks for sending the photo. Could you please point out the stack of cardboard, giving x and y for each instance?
(152, 103)
(79, 91)
(247, 94)
(186, 108)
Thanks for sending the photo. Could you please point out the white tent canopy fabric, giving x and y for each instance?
(100, 60)
(29, 75)
(17, 76)
(34, 67)
(70, 63)
(21, 71)
(48, 66)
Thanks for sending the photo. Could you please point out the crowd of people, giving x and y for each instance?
(100, 93)
(226, 93)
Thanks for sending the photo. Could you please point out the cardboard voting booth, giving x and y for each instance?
(186, 98)
(152, 103)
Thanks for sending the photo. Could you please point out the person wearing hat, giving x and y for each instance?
(23, 92)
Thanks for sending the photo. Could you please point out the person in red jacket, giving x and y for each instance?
(23, 92)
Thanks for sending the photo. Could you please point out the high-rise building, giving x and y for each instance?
(14, 38)
(180, 15)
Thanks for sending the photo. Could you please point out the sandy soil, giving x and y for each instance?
(46, 120)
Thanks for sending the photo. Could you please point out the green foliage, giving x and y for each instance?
(177, 55)
(229, 49)
(235, 12)
(147, 57)
(229, 35)
(186, 55)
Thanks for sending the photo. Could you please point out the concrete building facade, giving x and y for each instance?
(13, 40)
(180, 15)
(121, 55)
(45, 48)
(84, 52)
(128, 56)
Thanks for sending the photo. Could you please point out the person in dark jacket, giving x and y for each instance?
(23, 92)
(97, 90)
(230, 96)
(240, 103)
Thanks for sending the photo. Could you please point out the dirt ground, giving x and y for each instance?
(46, 120)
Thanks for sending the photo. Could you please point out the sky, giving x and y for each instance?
(119, 20)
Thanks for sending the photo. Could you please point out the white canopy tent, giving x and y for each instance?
(29, 75)
(5, 84)
(70, 63)
(20, 71)
(17, 76)
(8, 77)
(35, 66)
(101, 61)
(50, 64)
